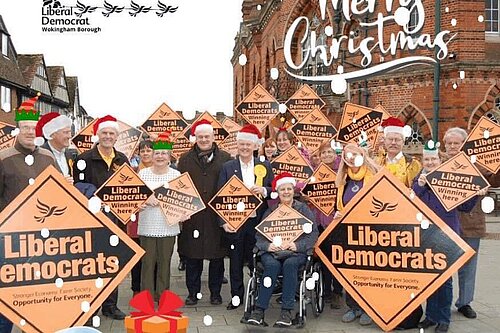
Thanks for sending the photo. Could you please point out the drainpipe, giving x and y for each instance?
(437, 72)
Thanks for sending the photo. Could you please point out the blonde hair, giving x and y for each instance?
(367, 162)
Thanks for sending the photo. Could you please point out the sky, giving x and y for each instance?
(136, 63)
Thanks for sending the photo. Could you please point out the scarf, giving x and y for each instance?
(205, 157)
(358, 175)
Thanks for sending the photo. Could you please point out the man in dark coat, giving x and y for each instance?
(257, 176)
(201, 237)
(95, 166)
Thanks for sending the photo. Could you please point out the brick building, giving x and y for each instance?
(407, 93)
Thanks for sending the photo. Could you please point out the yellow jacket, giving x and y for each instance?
(405, 169)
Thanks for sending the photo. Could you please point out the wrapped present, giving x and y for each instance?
(163, 320)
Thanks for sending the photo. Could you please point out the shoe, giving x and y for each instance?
(224, 280)
(336, 301)
(191, 300)
(216, 300)
(114, 313)
(231, 306)
(351, 316)
(467, 311)
(182, 265)
(285, 319)
(365, 320)
(256, 318)
(426, 323)
(442, 328)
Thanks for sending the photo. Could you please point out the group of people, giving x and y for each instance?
(205, 236)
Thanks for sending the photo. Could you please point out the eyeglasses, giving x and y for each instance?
(26, 128)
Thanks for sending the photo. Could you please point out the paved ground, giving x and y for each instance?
(487, 303)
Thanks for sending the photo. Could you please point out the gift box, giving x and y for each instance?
(163, 320)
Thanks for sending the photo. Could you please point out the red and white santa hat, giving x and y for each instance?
(104, 122)
(283, 178)
(48, 124)
(395, 125)
(200, 126)
(250, 132)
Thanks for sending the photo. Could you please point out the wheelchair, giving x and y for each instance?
(308, 294)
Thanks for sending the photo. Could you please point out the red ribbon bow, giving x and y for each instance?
(145, 304)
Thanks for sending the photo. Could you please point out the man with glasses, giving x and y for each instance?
(401, 165)
(20, 163)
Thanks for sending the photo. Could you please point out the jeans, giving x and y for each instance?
(438, 307)
(5, 325)
(467, 275)
(272, 268)
(194, 268)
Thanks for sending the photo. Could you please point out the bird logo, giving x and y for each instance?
(137, 9)
(180, 186)
(486, 129)
(304, 94)
(124, 178)
(381, 206)
(233, 189)
(291, 158)
(258, 96)
(110, 9)
(282, 213)
(47, 211)
(163, 9)
(83, 9)
(352, 115)
(323, 175)
(55, 4)
(458, 166)
(314, 118)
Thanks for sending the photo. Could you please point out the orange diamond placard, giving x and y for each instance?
(284, 222)
(59, 260)
(357, 119)
(456, 181)
(220, 132)
(6, 138)
(321, 189)
(259, 107)
(124, 192)
(385, 258)
(180, 199)
(314, 129)
(291, 160)
(234, 203)
(304, 101)
(164, 119)
(229, 144)
(181, 145)
(484, 143)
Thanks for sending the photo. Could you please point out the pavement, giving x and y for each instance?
(486, 303)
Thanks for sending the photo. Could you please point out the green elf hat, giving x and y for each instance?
(431, 148)
(163, 142)
(27, 110)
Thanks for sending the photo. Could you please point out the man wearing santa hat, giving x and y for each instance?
(401, 165)
(257, 175)
(56, 129)
(201, 237)
(95, 166)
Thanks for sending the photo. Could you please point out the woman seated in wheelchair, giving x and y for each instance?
(285, 258)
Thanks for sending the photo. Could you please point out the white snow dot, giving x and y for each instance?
(339, 85)
(31, 181)
(307, 228)
(275, 73)
(486, 134)
(454, 86)
(340, 69)
(333, 144)
(310, 283)
(268, 282)
(14, 132)
(420, 216)
(242, 59)
(22, 322)
(348, 155)
(294, 121)
(81, 176)
(424, 224)
(358, 161)
(29, 159)
(430, 144)
(487, 205)
(422, 330)
(480, 18)
(274, 195)
(299, 144)
(117, 262)
(236, 300)
(473, 159)
(453, 22)
(354, 120)
(412, 195)
(99, 282)
(207, 320)
(38, 274)
(94, 138)
(461, 75)
(402, 16)
(199, 295)
(412, 295)
(81, 165)
(96, 321)
(312, 179)
(407, 131)
(240, 207)
(315, 276)
(262, 158)
(94, 205)
(133, 217)
(229, 207)
(114, 240)
(277, 241)
(196, 234)
(282, 108)
(232, 246)
(447, 9)
(107, 209)
(45, 233)
(85, 306)
(329, 30)
(59, 282)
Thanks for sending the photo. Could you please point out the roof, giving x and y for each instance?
(71, 85)
(28, 63)
(9, 69)
(53, 74)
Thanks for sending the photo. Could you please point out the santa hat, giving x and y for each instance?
(394, 125)
(431, 148)
(199, 126)
(104, 122)
(50, 123)
(27, 110)
(163, 142)
(250, 132)
(283, 178)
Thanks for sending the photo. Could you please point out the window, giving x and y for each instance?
(40, 71)
(5, 45)
(5, 99)
(491, 16)
(497, 103)
(413, 19)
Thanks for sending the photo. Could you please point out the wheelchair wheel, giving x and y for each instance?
(317, 300)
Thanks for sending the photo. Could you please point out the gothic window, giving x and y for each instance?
(416, 136)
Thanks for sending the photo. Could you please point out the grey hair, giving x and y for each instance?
(455, 130)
